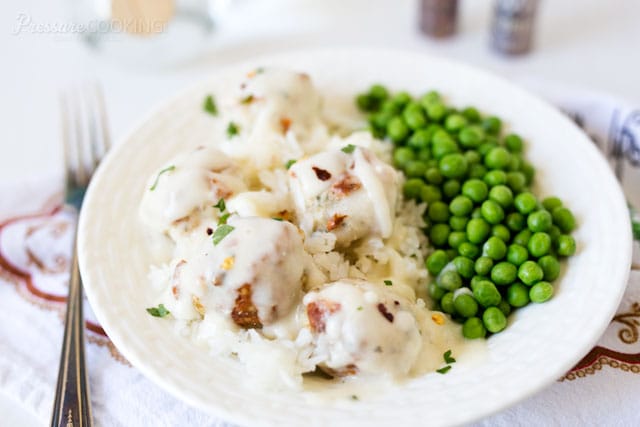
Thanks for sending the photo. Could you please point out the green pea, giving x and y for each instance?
(456, 238)
(502, 195)
(501, 232)
(415, 169)
(429, 98)
(566, 245)
(550, 266)
(477, 230)
(442, 144)
(497, 158)
(468, 250)
(412, 188)
(525, 203)
(449, 280)
(486, 293)
(494, 248)
(365, 102)
(492, 212)
(564, 219)
(451, 253)
(476, 213)
(435, 291)
(529, 172)
(401, 99)
(515, 221)
(471, 114)
(539, 221)
(516, 181)
(522, 238)
(475, 189)
(436, 262)
(541, 292)
(504, 307)
(494, 320)
(477, 171)
(433, 176)
(458, 223)
(464, 266)
(414, 116)
(381, 120)
(430, 193)
(451, 188)
(495, 177)
(455, 122)
(439, 234)
(554, 232)
(473, 157)
(492, 125)
(515, 164)
(420, 139)
(513, 143)
(539, 244)
(473, 328)
(379, 92)
(436, 111)
(446, 303)
(438, 211)
(465, 305)
(453, 165)
(402, 156)
(530, 273)
(550, 203)
(503, 273)
(461, 206)
(486, 146)
(397, 129)
(477, 279)
(483, 265)
(471, 136)
(390, 107)
(424, 155)
(517, 254)
(518, 295)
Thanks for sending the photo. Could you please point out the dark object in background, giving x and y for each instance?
(438, 17)
(512, 26)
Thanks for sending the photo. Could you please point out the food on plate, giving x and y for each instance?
(497, 246)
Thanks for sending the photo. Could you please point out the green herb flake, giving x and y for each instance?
(210, 105)
(388, 283)
(220, 205)
(448, 358)
(232, 129)
(354, 397)
(159, 311)
(360, 308)
(635, 226)
(221, 232)
(290, 163)
(247, 99)
(348, 149)
(223, 218)
(444, 370)
(165, 170)
(277, 219)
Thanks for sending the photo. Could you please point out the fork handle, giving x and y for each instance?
(72, 407)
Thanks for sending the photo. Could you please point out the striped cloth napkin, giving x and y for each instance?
(35, 242)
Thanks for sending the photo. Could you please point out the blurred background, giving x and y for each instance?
(169, 44)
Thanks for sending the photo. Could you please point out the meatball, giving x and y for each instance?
(253, 274)
(362, 328)
(351, 195)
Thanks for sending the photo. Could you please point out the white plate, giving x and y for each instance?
(541, 343)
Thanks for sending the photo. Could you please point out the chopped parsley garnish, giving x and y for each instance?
(635, 226)
(223, 218)
(388, 283)
(447, 357)
(354, 397)
(444, 370)
(210, 105)
(159, 311)
(289, 163)
(232, 129)
(165, 170)
(221, 232)
(247, 99)
(277, 219)
(220, 205)
(360, 308)
(348, 149)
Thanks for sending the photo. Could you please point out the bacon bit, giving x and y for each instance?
(350, 369)
(346, 185)
(317, 313)
(383, 310)
(322, 174)
(228, 262)
(217, 281)
(243, 85)
(198, 305)
(438, 318)
(335, 221)
(247, 99)
(175, 289)
(285, 124)
(222, 192)
(285, 215)
(244, 313)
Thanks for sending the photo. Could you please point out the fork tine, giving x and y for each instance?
(80, 136)
(69, 168)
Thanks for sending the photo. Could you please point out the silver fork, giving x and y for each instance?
(85, 137)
